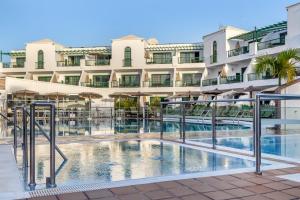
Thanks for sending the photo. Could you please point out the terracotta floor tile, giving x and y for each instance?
(219, 195)
(277, 186)
(239, 192)
(279, 196)
(98, 194)
(259, 189)
(124, 190)
(195, 197)
(72, 196)
(181, 191)
(158, 194)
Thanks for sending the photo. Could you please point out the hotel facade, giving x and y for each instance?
(225, 60)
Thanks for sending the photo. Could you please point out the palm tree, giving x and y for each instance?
(282, 66)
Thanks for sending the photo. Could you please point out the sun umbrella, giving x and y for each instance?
(25, 93)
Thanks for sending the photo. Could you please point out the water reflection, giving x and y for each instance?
(115, 161)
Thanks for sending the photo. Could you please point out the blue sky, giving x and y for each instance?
(96, 22)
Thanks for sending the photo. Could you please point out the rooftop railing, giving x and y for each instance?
(253, 77)
(238, 51)
(159, 61)
(158, 84)
(183, 60)
(271, 43)
(189, 83)
(67, 64)
(99, 62)
(130, 84)
(14, 65)
(96, 84)
(231, 79)
(209, 82)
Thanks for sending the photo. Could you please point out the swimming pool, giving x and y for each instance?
(279, 145)
(112, 161)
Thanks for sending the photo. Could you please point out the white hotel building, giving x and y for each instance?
(224, 60)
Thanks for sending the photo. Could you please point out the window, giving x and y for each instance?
(130, 81)
(40, 60)
(72, 80)
(101, 80)
(161, 80)
(20, 62)
(127, 57)
(214, 49)
(162, 58)
(44, 78)
(190, 57)
(191, 79)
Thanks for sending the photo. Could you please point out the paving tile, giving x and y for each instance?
(227, 178)
(99, 194)
(244, 175)
(195, 197)
(188, 182)
(259, 189)
(136, 196)
(108, 198)
(72, 196)
(291, 183)
(259, 180)
(239, 192)
(222, 185)
(208, 180)
(277, 186)
(181, 191)
(169, 184)
(242, 183)
(158, 194)
(292, 191)
(256, 197)
(202, 187)
(44, 198)
(124, 190)
(279, 196)
(147, 187)
(219, 195)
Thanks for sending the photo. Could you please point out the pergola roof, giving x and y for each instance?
(259, 33)
(19, 53)
(172, 47)
(85, 50)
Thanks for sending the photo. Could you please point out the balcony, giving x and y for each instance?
(209, 82)
(158, 84)
(67, 64)
(39, 65)
(189, 83)
(253, 77)
(238, 51)
(100, 62)
(271, 43)
(96, 84)
(159, 61)
(183, 60)
(213, 58)
(127, 62)
(231, 79)
(14, 65)
(129, 84)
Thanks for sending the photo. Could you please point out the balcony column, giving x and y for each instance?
(174, 77)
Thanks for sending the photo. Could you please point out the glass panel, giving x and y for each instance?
(44, 78)
(72, 80)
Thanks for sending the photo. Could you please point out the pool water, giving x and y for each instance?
(111, 161)
(279, 145)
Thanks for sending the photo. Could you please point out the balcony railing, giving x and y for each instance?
(183, 60)
(271, 43)
(67, 64)
(132, 84)
(96, 84)
(213, 58)
(127, 62)
(194, 83)
(209, 82)
(238, 51)
(100, 62)
(253, 77)
(231, 79)
(14, 65)
(39, 65)
(158, 84)
(159, 61)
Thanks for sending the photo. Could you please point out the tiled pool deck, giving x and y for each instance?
(246, 186)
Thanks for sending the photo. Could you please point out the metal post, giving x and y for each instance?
(183, 123)
(254, 130)
(213, 125)
(15, 132)
(32, 183)
(161, 122)
(52, 183)
(180, 127)
(25, 145)
(257, 136)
